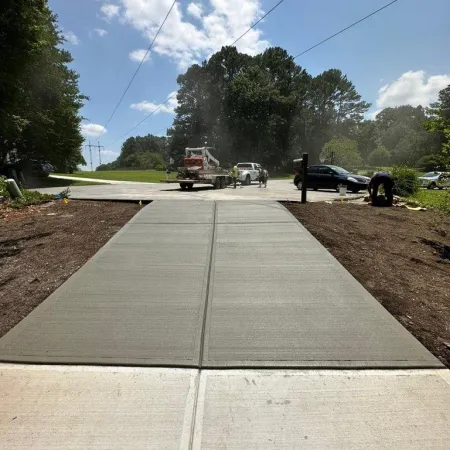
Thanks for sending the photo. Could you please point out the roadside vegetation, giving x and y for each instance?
(439, 200)
(28, 197)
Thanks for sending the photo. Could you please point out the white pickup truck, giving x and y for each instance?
(248, 172)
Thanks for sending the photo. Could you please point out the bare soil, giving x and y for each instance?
(401, 257)
(42, 246)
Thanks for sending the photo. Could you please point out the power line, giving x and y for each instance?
(147, 117)
(175, 93)
(137, 70)
(256, 23)
(346, 28)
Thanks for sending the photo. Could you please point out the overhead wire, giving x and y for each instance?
(345, 29)
(137, 70)
(175, 93)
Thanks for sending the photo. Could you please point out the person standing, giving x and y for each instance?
(235, 174)
(263, 176)
(385, 179)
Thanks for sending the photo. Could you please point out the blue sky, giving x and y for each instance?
(398, 56)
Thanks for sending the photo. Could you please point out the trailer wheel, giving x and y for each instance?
(217, 183)
(223, 183)
(190, 186)
(183, 186)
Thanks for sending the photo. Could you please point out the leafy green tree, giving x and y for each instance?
(439, 120)
(143, 144)
(366, 134)
(401, 130)
(379, 157)
(39, 113)
(341, 152)
(432, 162)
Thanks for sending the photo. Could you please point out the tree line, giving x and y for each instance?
(39, 95)
(268, 109)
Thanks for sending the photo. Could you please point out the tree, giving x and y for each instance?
(401, 130)
(439, 120)
(341, 152)
(40, 98)
(379, 157)
(366, 134)
(432, 162)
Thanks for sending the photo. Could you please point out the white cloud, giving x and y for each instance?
(92, 129)
(100, 32)
(71, 37)
(138, 55)
(195, 10)
(148, 107)
(186, 43)
(412, 88)
(109, 153)
(109, 10)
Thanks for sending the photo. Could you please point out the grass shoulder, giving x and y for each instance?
(435, 199)
(145, 176)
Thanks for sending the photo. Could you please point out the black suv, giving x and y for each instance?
(323, 176)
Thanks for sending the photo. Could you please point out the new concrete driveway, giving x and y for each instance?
(276, 190)
(204, 286)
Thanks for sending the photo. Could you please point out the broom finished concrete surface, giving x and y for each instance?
(208, 285)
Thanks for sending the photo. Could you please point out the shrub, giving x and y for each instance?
(3, 187)
(432, 162)
(406, 181)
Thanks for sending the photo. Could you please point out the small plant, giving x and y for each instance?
(3, 187)
(406, 181)
(30, 198)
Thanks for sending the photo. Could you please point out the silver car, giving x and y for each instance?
(433, 180)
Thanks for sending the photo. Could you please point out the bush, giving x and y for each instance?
(432, 162)
(3, 187)
(379, 157)
(406, 181)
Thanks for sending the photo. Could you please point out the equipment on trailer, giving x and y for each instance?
(200, 167)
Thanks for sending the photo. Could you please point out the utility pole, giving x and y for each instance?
(99, 147)
(90, 153)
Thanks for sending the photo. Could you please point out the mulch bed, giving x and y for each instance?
(401, 257)
(42, 246)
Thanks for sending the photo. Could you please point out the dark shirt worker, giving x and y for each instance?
(385, 179)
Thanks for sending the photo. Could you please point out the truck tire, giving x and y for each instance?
(183, 186)
(248, 180)
(190, 186)
(223, 182)
(217, 183)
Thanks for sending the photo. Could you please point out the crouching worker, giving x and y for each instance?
(385, 179)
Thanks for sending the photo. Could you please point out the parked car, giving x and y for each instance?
(433, 180)
(248, 172)
(324, 176)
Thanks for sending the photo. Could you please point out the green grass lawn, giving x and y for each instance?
(149, 176)
(55, 182)
(433, 199)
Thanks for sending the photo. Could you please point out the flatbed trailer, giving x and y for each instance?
(219, 181)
